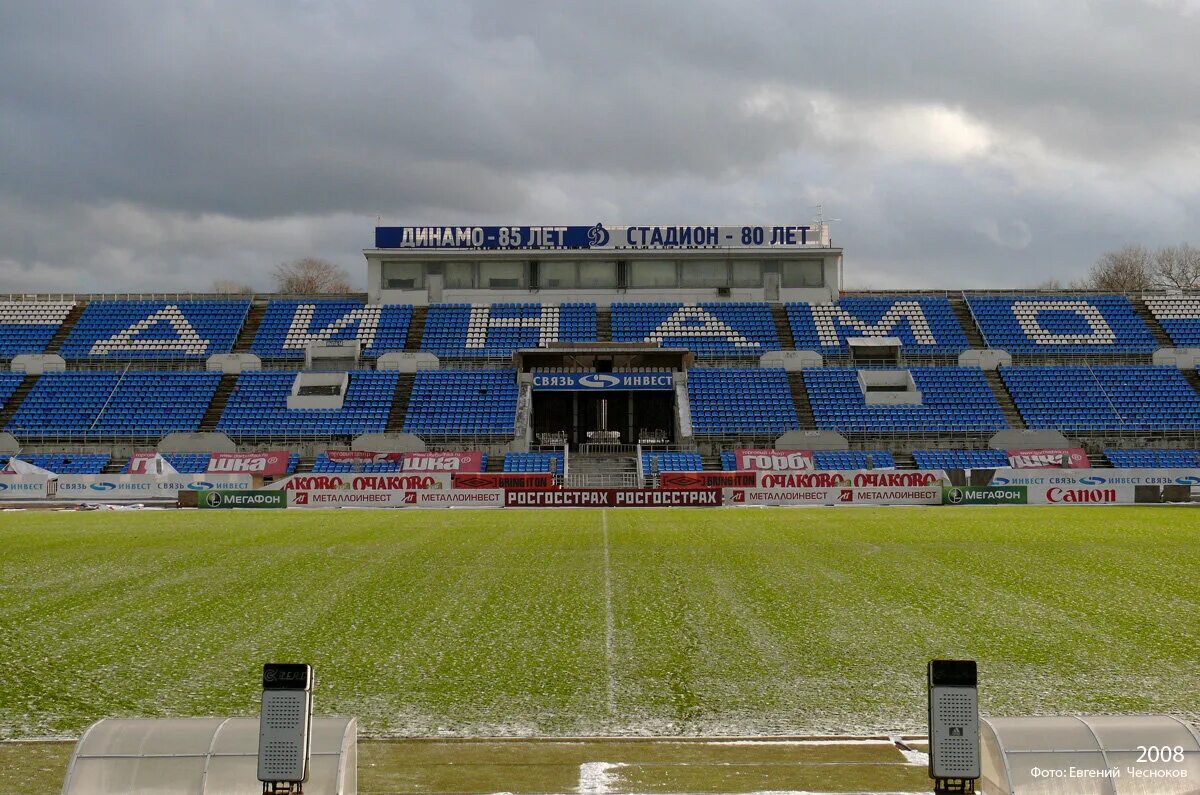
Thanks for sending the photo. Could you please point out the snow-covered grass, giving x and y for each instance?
(501, 623)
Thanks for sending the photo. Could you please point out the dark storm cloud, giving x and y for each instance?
(152, 144)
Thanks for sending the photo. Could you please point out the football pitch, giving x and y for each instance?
(589, 623)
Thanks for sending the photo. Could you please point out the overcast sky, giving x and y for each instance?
(159, 146)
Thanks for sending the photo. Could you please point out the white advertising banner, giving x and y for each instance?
(853, 478)
(837, 495)
(1105, 494)
(25, 487)
(143, 487)
(396, 498)
(366, 484)
(1095, 477)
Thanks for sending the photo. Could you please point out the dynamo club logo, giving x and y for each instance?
(597, 236)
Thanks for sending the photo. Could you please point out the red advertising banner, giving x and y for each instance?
(773, 460)
(387, 482)
(139, 463)
(707, 480)
(613, 498)
(502, 480)
(1048, 458)
(439, 461)
(271, 463)
(429, 461)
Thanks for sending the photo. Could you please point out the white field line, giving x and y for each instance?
(595, 778)
(870, 741)
(609, 651)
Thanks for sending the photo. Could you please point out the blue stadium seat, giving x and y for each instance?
(463, 402)
(853, 459)
(1031, 324)
(135, 403)
(289, 326)
(537, 461)
(258, 406)
(1179, 316)
(460, 331)
(1074, 397)
(64, 463)
(713, 329)
(8, 384)
(1154, 458)
(671, 462)
(728, 400)
(155, 329)
(728, 460)
(960, 459)
(28, 326)
(954, 399)
(923, 324)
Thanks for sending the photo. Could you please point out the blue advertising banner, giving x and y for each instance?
(591, 237)
(594, 382)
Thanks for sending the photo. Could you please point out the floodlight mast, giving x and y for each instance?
(285, 728)
(953, 725)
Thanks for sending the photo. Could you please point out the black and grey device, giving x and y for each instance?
(953, 725)
(284, 727)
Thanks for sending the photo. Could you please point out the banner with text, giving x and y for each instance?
(503, 480)
(1048, 458)
(596, 236)
(613, 498)
(26, 487)
(707, 480)
(773, 460)
(365, 483)
(144, 487)
(594, 382)
(271, 463)
(395, 498)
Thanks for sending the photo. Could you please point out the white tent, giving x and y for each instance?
(201, 756)
(1062, 754)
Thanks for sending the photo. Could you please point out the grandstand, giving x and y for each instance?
(590, 362)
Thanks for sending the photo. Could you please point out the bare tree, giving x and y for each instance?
(231, 287)
(1177, 267)
(310, 276)
(1127, 269)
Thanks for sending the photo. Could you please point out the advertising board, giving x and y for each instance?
(707, 480)
(26, 487)
(503, 480)
(395, 498)
(612, 498)
(985, 495)
(121, 488)
(1047, 458)
(212, 499)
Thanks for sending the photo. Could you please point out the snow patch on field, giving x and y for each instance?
(597, 778)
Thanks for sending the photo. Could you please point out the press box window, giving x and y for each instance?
(459, 275)
(652, 273)
(598, 274)
(557, 275)
(747, 273)
(502, 275)
(704, 273)
(802, 273)
(403, 275)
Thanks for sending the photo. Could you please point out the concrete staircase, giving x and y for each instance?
(254, 319)
(416, 328)
(64, 330)
(17, 398)
(783, 327)
(603, 324)
(1015, 420)
(1160, 335)
(399, 410)
(804, 411)
(217, 407)
(967, 321)
(603, 470)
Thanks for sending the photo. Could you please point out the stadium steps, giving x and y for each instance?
(1192, 378)
(804, 411)
(18, 397)
(115, 465)
(1160, 336)
(1007, 404)
(904, 460)
(602, 470)
(783, 327)
(416, 328)
(254, 319)
(1098, 461)
(967, 321)
(711, 461)
(604, 324)
(404, 387)
(495, 463)
(217, 407)
(68, 323)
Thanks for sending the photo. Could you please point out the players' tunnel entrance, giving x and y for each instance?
(624, 415)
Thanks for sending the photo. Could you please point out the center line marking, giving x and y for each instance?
(609, 654)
